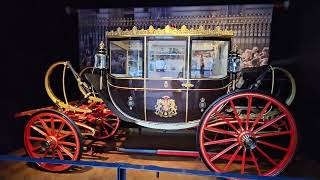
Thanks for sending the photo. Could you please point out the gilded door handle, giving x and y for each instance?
(187, 85)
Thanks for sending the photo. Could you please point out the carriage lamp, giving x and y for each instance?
(100, 58)
(234, 61)
(100, 61)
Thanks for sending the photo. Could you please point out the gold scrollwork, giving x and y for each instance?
(171, 31)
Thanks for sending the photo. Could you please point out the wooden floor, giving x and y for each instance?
(130, 138)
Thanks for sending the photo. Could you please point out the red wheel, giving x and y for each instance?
(52, 135)
(247, 132)
(107, 125)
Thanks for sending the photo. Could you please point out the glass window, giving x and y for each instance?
(166, 58)
(126, 58)
(209, 58)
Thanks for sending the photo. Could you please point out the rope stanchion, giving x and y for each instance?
(122, 167)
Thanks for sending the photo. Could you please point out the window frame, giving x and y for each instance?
(141, 39)
(167, 38)
(192, 38)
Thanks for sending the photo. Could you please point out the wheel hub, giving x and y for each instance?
(50, 143)
(98, 121)
(247, 140)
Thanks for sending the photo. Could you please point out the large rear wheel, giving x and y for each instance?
(247, 132)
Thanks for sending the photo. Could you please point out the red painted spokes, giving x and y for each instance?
(107, 125)
(49, 135)
(255, 131)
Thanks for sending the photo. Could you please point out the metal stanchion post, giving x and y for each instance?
(121, 174)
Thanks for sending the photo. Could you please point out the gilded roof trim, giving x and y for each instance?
(170, 31)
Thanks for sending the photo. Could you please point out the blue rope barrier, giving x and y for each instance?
(121, 168)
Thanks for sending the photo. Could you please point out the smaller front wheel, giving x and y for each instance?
(52, 135)
(247, 132)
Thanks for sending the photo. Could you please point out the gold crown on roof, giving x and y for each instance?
(170, 31)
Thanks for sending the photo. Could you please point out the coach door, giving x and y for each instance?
(165, 82)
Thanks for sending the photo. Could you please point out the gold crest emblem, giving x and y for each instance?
(166, 107)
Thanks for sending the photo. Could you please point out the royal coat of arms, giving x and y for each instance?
(166, 107)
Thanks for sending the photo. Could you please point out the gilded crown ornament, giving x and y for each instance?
(171, 31)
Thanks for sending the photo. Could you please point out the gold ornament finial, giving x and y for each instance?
(235, 47)
(101, 45)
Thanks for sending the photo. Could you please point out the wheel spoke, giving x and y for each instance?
(228, 157)
(273, 134)
(111, 119)
(105, 130)
(220, 141)
(236, 114)
(60, 154)
(266, 156)
(208, 139)
(273, 145)
(248, 112)
(36, 138)
(39, 131)
(219, 123)
(45, 126)
(53, 154)
(45, 153)
(255, 162)
(65, 135)
(67, 143)
(221, 131)
(105, 123)
(226, 120)
(269, 123)
(52, 127)
(243, 162)
(260, 115)
(62, 148)
(224, 151)
(221, 107)
(36, 148)
(61, 126)
(232, 159)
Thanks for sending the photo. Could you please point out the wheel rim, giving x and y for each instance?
(107, 125)
(262, 144)
(50, 136)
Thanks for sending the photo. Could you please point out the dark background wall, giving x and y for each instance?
(38, 33)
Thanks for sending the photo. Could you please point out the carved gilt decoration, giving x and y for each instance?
(170, 31)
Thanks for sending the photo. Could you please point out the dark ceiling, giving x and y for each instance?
(148, 3)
